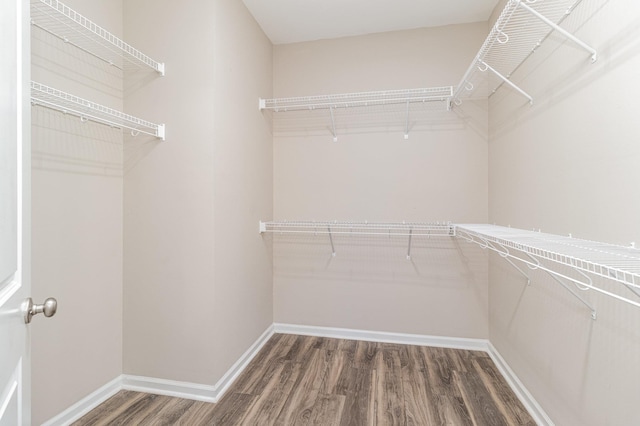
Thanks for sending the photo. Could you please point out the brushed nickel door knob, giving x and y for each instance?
(48, 308)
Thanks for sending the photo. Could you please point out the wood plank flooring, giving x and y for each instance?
(301, 380)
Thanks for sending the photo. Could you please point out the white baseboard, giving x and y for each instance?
(530, 403)
(195, 391)
(213, 393)
(187, 390)
(86, 404)
(232, 374)
(385, 337)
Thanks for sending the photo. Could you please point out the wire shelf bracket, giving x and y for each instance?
(60, 20)
(617, 263)
(512, 39)
(86, 110)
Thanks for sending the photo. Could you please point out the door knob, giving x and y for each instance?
(48, 308)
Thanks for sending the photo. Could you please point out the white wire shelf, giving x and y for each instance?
(86, 110)
(390, 229)
(360, 228)
(617, 263)
(63, 22)
(521, 28)
(346, 100)
(437, 97)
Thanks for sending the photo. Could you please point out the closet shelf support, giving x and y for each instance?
(558, 28)
(487, 245)
(333, 249)
(333, 125)
(506, 80)
(406, 125)
(594, 314)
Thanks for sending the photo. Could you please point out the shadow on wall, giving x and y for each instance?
(68, 67)
(426, 262)
(598, 360)
(576, 71)
(64, 143)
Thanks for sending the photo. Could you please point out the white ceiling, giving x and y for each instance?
(290, 21)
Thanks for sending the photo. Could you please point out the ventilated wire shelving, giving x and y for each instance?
(345, 100)
(388, 229)
(617, 263)
(521, 28)
(360, 228)
(86, 110)
(553, 254)
(66, 24)
(440, 97)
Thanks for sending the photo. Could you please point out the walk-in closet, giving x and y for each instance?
(338, 212)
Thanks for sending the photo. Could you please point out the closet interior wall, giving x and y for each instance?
(77, 194)
(197, 275)
(372, 173)
(568, 164)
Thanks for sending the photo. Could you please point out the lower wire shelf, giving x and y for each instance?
(87, 110)
(546, 252)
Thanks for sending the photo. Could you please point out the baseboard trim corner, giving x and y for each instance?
(195, 391)
(530, 403)
(384, 337)
(232, 374)
(86, 404)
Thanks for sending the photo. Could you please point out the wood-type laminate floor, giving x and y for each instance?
(301, 380)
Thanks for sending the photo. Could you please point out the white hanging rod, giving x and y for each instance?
(345, 100)
(617, 263)
(60, 20)
(411, 229)
(69, 104)
(522, 26)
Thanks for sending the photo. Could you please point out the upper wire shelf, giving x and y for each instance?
(438, 97)
(345, 100)
(63, 22)
(617, 263)
(87, 110)
(360, 228)
(521, 28)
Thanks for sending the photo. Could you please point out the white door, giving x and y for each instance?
(14, 212)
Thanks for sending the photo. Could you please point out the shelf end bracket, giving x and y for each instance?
(160, 133)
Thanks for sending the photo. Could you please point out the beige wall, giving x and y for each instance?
(197, 278)
(372, 173)
(77, 224)
(243, 188)
(568, 164)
